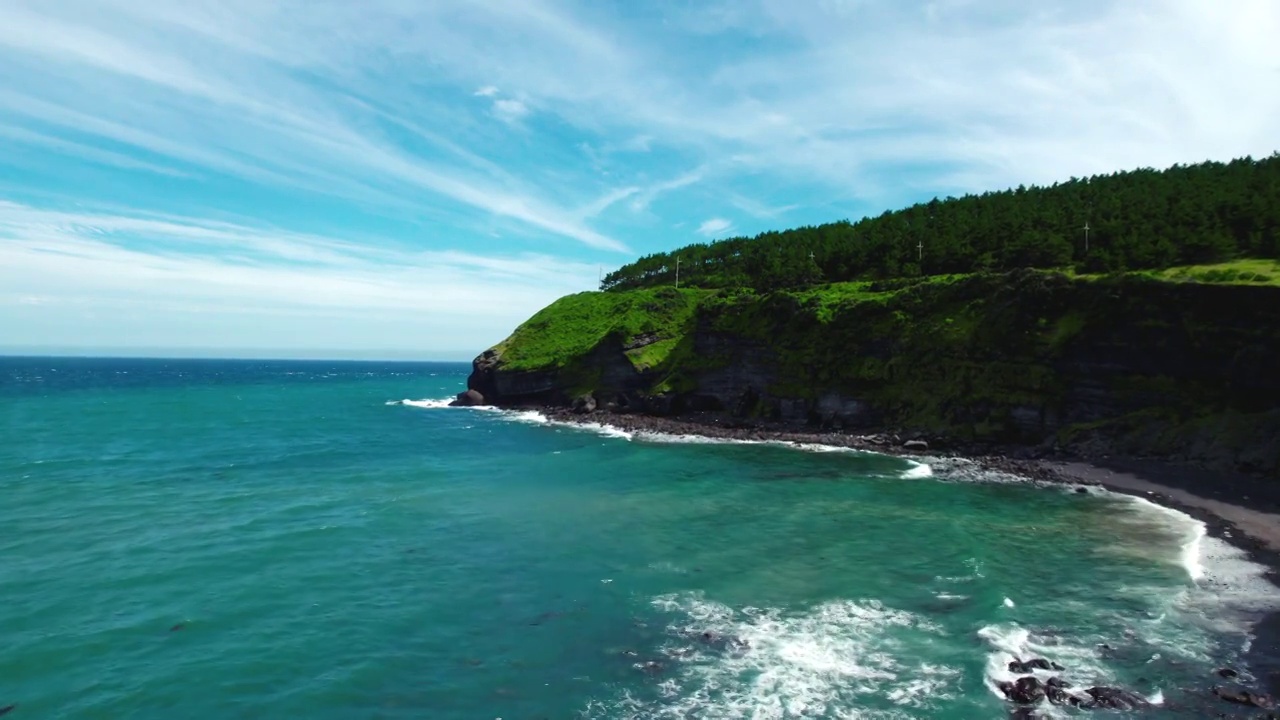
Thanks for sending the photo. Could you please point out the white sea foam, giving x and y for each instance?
(918, 470)
(831, 661)
(608, 431)
(1010, 641)
(426, 404)
(1191, 531)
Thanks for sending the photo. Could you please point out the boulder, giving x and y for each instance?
(1025, 691)
(1115, 699)
(1056, 690)
(470, 398)
(584, 404)
(916, 445)
(1020, 666)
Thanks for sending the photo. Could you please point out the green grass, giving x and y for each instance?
(574, 325)
(566, 331)
(1236, 272)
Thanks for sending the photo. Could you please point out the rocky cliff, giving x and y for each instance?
(1124, 364)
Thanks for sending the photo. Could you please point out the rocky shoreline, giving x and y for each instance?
(1240, 512)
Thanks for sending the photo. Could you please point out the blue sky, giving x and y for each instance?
(413, 179)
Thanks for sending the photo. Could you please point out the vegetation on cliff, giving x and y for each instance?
(1142, 219)
(1162, 338)
(648, 324)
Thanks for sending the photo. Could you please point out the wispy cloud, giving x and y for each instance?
(53, 261)
(510, 110)
(480, 143)
(714, 227)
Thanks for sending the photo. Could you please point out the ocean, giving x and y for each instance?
(284, 539)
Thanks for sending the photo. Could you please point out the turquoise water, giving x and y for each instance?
(241, 539)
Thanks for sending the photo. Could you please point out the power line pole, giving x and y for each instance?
(677, 273)
(1086, 237)
(920, 251)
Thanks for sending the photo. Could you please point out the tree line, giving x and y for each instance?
(1139, 219)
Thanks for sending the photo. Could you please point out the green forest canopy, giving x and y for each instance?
(1141, 219)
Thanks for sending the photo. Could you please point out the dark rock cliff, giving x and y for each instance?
(1128, 365)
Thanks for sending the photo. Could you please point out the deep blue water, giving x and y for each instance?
(254, 539)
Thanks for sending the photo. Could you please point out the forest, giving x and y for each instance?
(1139, 219)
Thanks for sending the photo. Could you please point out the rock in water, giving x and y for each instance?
(470, 398)
(917, 445)
(1026, 691)
(1019, 666)
(1245, 697)
(1115, 699)
(7, 709)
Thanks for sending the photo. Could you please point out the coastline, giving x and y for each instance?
(1239, 510)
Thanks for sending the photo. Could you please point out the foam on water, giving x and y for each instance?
(918, 470)
(1009, 642)
(427, 404)
(830, 661)
(1193, 533)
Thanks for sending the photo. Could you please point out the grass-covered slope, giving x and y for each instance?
(650, 322)
(1179, 361)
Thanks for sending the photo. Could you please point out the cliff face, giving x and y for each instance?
(1128, 365)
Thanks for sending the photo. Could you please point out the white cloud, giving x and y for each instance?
(714, 227)
(510, 110)
(196, 270)
(645, 197)
(860, 105)
(199, 98)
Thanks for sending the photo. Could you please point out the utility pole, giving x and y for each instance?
(920, 251)
(677, 272)
(1086, 237)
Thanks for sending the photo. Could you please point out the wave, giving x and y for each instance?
(1009, 642)
(918, 470)
(428, 404)
(819, 663)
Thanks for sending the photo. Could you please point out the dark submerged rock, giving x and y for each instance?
(1227, 672)
(1245, 697)
(177, 627)
(7, 709)
(549, 615)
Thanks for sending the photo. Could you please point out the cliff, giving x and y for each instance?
(1128, 364)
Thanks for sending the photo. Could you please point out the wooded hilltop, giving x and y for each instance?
(1138, 220)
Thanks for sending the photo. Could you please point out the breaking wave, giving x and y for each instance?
(846, 659)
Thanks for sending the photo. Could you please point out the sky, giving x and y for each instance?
(396, 178)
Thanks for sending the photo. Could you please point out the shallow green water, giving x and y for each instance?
(267, 540)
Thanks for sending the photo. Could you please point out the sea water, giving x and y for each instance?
(255, 539)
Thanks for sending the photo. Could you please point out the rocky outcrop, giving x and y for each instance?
(1131, 366)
